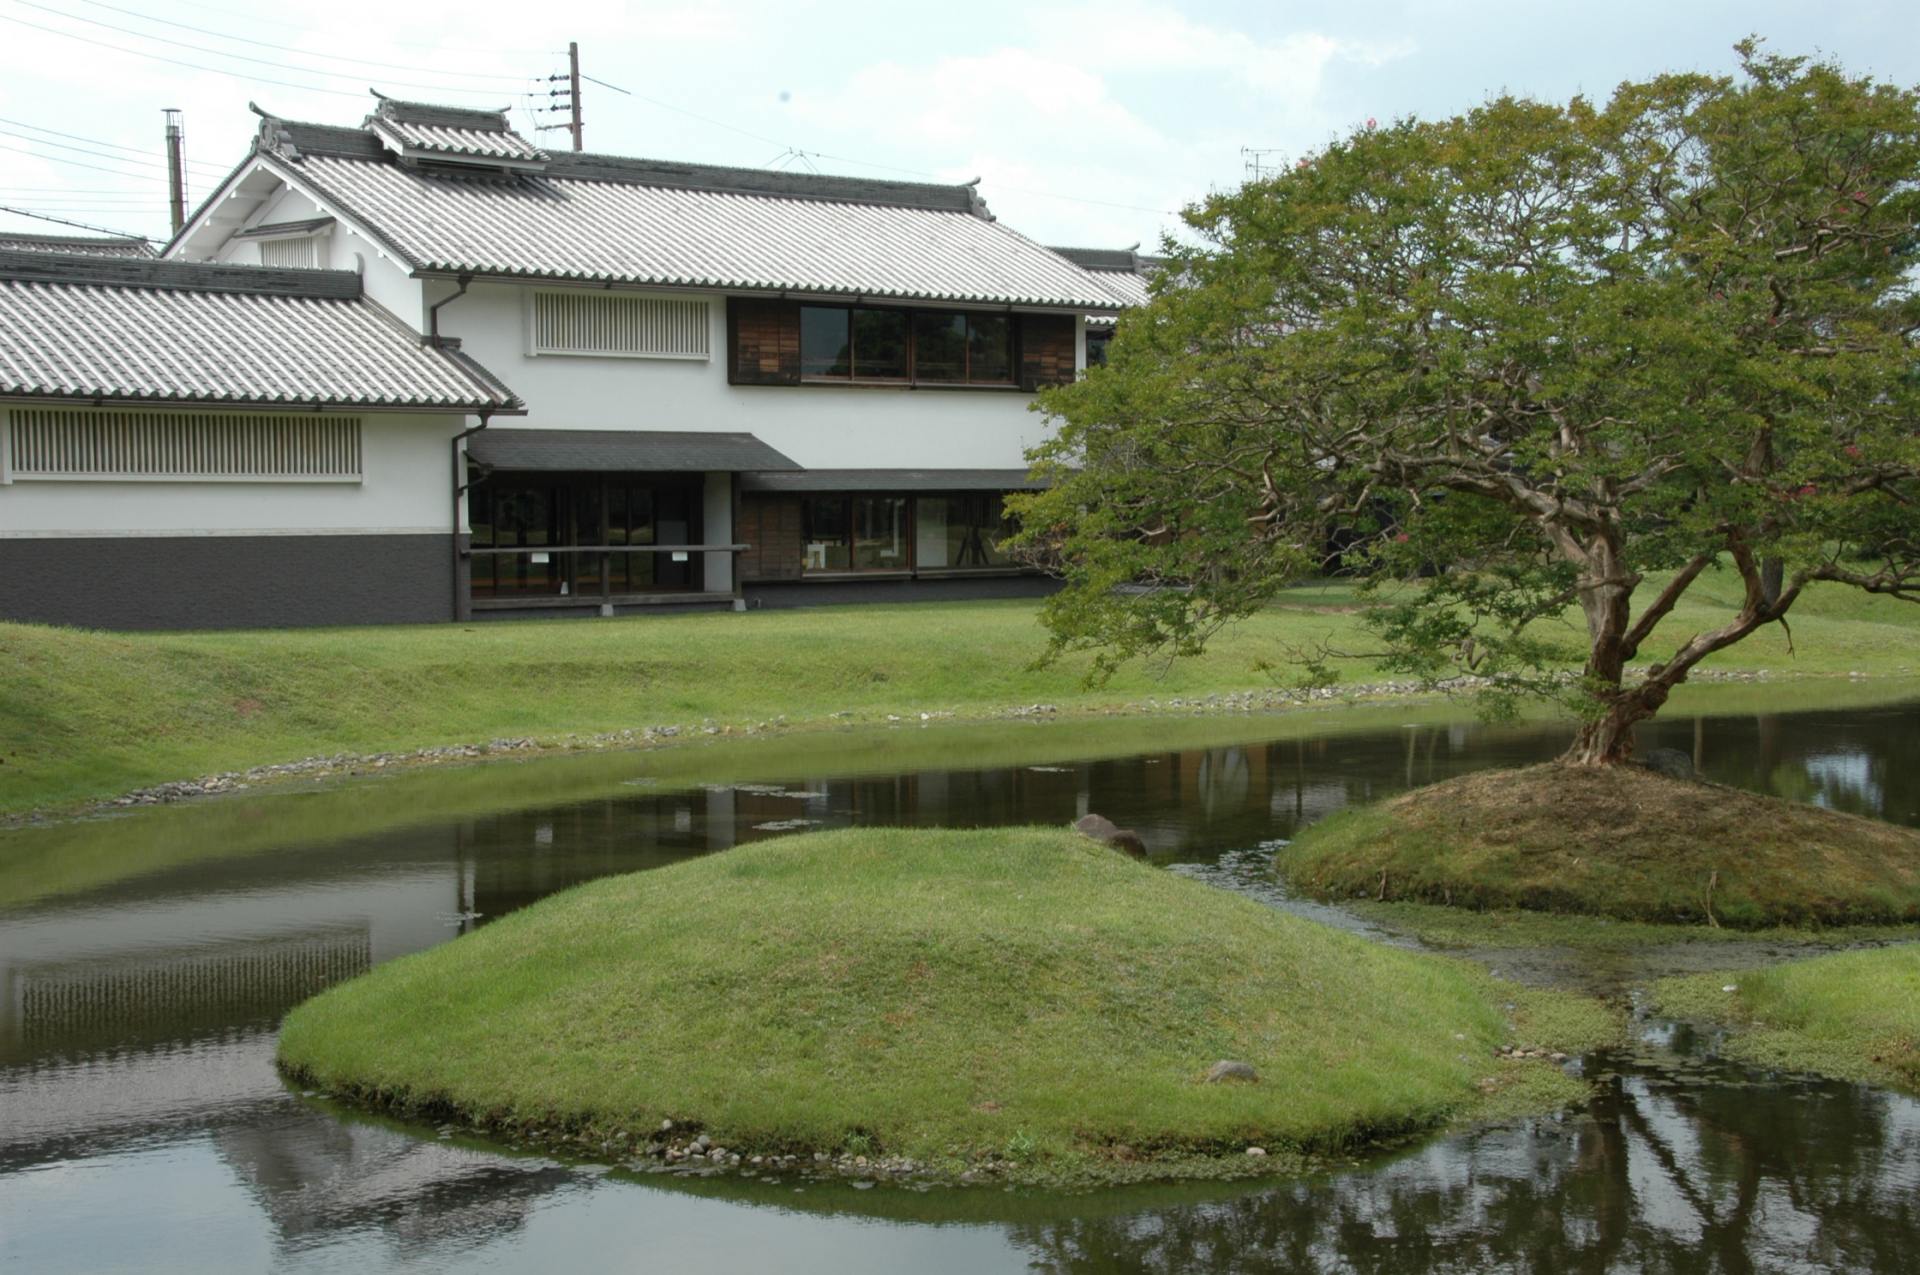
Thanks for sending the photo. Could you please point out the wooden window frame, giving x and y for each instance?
(912, 379)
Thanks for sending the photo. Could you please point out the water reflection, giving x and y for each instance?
(137, 1018)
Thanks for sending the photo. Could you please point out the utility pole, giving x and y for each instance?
(573, 85)
(176, 169)
(571, 93)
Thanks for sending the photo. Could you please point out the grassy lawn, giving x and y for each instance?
(1617, 842)
(91, 714)
(1016, 996)
(1855, 1015)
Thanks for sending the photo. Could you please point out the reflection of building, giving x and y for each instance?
(163, 994)
(157, 1010)
(316, 1177)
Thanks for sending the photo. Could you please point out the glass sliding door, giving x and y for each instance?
(550, 528)
(960, 532)
(880, 534)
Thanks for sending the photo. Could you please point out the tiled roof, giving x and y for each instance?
(104, 329)
(610, 231)
(1121, 271)
(606, 218)
(91, 245)
(451, 132)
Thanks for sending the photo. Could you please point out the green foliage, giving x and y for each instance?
(1523, 358)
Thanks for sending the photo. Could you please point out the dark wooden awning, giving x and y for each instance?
(624, 451)
(892, 480)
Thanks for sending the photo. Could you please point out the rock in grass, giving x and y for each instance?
(1108, 833)
(1670, 762)
(1228, 1069)
(1019, 997)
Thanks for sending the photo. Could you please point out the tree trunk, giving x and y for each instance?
(1606, 740)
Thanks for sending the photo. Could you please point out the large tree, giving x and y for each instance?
(1530, 357)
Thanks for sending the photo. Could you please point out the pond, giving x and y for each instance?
(145, 961)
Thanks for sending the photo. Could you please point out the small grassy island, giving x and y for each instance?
(1023, 1004)
(1854, 1015)
(1615, 841)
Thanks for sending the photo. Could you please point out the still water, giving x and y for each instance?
(145, 962)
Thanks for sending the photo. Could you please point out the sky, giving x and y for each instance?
(1088, 124)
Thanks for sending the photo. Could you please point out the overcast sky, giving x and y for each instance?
(1088, 124)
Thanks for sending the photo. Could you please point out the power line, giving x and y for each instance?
(213, 169)
(60, 159)
(66, 190)
(788, 148)
(238, 57)
(192, 66)
(399, 44)
(82, 150)
(78, 225)
(330, 57)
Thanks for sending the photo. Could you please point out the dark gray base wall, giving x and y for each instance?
(227, 582)
(817, 593)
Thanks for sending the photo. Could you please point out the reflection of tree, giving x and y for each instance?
(1713, 1177)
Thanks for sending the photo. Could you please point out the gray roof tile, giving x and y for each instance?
(90, 245)
(106, 329)
(607, 231)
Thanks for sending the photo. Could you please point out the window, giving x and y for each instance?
(852, 532)
(880, 534)
(82, 443)
(545, 521)
(880, 345)
(940, 344)
(923, 347)
(826, 348)
(824, 533)
(1097, 339)
(958, 532)
(617, 325)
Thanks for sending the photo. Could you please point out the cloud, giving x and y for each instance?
(1138, 38)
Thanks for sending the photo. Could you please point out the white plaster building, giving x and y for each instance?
(727, 385)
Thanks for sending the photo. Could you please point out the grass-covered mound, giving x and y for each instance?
(1615, 841)
(1022, 995)
(1855, 1015)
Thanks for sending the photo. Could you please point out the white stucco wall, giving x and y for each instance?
(406, 463)
(384, 279)
(820, 427)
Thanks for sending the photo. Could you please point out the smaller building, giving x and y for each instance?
(187, 445)
(88, 245)
(1124, 273)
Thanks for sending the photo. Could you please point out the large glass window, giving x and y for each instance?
(880, 345)
(989, 347)
(824, 530)
(958, 532)
(947, 348)
(880, 534)
(826, 346)
(861, 532)
(940, 347)
(546, 521)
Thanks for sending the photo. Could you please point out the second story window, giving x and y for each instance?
(922, 347)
